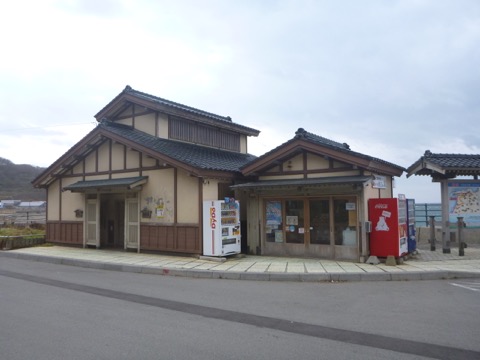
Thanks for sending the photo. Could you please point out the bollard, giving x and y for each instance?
(460, 225)
(432, 233)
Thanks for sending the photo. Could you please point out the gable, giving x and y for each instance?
(316, 152)
(445, 166)
(306, 164)
(133, 103)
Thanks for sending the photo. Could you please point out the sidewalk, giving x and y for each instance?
(426, 265)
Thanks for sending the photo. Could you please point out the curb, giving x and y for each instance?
(251, 276)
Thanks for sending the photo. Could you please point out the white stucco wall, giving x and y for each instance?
(71, 201)
(158, 196)
(188, 198)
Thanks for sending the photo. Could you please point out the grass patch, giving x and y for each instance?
(17, 231)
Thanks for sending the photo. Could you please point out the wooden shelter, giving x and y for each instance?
(459, 194)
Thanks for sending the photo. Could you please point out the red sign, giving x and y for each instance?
(213, 218)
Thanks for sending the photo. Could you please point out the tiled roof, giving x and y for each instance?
(334, 180)
(111, 183)
(129, 90)
(342, 147)
(226, 120)
(197, 156)
(301, 133)
(453, 160)
(449, 165)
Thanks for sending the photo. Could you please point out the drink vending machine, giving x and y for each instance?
(221, 227)
(389, 226)
(411, 230)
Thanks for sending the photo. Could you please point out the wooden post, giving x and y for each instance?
(445, 220)
(432, 233)
(460, 225)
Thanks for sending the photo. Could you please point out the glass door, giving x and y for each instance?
(345, 221)
(294, 222)
(132, 222)
(92, 233)
(319, 222)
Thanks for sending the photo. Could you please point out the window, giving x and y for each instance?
(328, 221)
(193, 132)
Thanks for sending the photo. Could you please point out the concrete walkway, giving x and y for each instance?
(427, 265)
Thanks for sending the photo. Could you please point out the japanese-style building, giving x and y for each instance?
(139, 179)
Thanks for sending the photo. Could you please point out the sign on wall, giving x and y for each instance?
(379, 182)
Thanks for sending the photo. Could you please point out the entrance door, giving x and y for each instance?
(320, 222)
(294, 221)
(112, 220)
(345, 228)
(92, 233)
(132, 225)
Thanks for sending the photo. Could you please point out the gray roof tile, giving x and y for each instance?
(200, 157)
(453, 160)
(225, 120)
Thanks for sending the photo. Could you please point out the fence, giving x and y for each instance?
(22, 217)
(424, 211)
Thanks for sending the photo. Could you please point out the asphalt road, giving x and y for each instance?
(50, 311)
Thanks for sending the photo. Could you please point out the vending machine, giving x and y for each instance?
(221, 227)
(411, 230)
(389, 226)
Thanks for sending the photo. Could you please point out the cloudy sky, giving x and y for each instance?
(390, 78)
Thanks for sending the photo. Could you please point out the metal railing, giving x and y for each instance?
(425, 210)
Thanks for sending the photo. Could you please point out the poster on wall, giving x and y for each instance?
(464, 201)
(160, 209)
(273, 213)
(291, 220)
(278, 236)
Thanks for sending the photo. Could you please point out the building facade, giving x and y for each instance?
(139, 179)
(310, 196)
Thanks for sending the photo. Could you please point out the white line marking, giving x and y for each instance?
(464, 287)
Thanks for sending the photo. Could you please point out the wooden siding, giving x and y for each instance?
(65, 232)
(170, 238)
(184, 130)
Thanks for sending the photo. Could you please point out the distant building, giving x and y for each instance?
(32, 204)
(10, 203)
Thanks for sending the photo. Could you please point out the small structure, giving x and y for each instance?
(460, 197)
(309, 197)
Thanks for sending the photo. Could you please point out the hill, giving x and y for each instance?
(15, 182)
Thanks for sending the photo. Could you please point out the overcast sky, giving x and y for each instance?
(390, 78)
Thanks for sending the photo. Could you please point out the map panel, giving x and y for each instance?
(464, 200)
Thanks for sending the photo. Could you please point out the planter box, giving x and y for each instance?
(17, 242)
